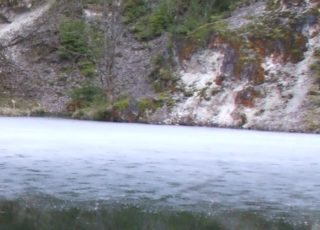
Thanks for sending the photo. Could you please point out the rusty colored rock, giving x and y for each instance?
(219, 80)
(246, 97)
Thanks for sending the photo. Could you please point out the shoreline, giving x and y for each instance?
(42, 114)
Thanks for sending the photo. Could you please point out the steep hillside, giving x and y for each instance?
(237, 63)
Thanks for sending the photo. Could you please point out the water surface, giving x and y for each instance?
(106, 175)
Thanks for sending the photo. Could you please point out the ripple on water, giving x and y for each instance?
(185, 177)
(3, 165)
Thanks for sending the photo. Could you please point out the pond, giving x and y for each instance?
(68, 174)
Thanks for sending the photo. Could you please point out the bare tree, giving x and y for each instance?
(112, 34)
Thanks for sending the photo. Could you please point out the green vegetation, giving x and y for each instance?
(80, 43)
(93, 1)
(315, 67)
(317, 53)
(312, 118)
(197, 20)
(133, 9)
(88, 102)
(87, 68)
(165, 99)
(121, 104)
(147, 104)
(163, 77)
(72, 38)
(155, 23)
(176, 16)
(273, 4)
(88, 95)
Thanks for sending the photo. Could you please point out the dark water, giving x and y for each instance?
(21, 215)
(62, 174)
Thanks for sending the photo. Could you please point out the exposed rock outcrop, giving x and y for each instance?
(271, 91)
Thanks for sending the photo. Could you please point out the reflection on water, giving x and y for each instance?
(61, 173)
(56, 215)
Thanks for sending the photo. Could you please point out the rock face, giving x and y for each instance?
(25, 78)
(259, 73)
(271, 93)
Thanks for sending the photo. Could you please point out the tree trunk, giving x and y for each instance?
(112, 34)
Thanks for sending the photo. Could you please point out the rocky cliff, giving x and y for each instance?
(253, 65)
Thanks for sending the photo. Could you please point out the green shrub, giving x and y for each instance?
(95, 42)
(97, 112)
(165, 99)
(72, 39)
(273, 5)
(165, 74)
(133, 9)
(157, 86)
(147, 104)
(315, 67)
(176, 16)
(317, 53)
(87, 95)
(152, 104)
(87, 68)
(155, 23)
(121, 104)
(163, 77)
(93, 1)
